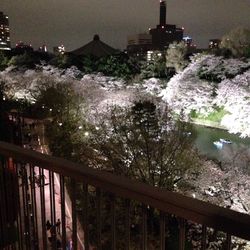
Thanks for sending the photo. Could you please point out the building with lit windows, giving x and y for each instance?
(188, 40)
(214, 43)
(158, 38)
(191, 47)
(164, 33)
(59, 50)
(43, 49)
(21, 48)
(4, 32)
(139, 44)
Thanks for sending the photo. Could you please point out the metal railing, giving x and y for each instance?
(100, 210)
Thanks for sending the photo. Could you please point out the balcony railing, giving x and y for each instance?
(99, 210)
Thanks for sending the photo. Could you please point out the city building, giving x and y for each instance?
(153, 54)
(191, 47)
(59, 50)
(139, 44)
(214, 43)
(43, 48)
(4, 32)
(21, 48)
(188, 40)
(164, 33)
(95, 48)
(157, 39)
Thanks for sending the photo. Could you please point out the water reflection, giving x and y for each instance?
(236, 153)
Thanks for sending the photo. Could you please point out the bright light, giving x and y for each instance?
(86, 133)
(149, 55)
(50, 110)
(80, 127)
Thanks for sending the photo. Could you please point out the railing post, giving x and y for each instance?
(127, 224)
(4, 205)
(85, 215)
(229, 242)
(113, 224)
(62, 197)
(74, 217)
(52, 208)
(162, 231)
(144, 227)
(43, 210)
(99, 222)
(204, 238)
(181, 233)
(25, 204)
(33, 205)
(19, 217)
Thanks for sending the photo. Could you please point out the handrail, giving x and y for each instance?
(201, 212)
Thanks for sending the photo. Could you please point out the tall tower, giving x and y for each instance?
(4, 32)
(163, 12)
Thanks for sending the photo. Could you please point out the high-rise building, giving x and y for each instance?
(163, 13)
(158, 38)
(139, 44)
(4, 32)
(214, 43)
(164, 33)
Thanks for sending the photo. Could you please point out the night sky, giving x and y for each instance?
(74, 22)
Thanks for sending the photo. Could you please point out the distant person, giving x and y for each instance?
(53, 229)
(58, 244)
(58, 224)
(69, 245)
(48, 225)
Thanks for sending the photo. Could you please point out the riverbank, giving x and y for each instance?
(206, 123)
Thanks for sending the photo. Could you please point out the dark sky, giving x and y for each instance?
(74, 22)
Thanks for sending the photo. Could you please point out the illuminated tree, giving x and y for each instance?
(118, 66)
(3, 61)
(145, 143)
(156, 67)
(175, 57)
(24, 60)
(67, 126)
(237, 41)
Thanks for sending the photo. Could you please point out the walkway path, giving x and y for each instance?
(39, 144)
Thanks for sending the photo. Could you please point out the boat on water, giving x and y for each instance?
(225, 141)
(218, 144)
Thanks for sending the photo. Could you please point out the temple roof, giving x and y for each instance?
(95, 48)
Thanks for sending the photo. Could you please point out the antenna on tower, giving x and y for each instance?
(163, 13)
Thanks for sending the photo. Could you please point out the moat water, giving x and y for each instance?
(236, 153)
